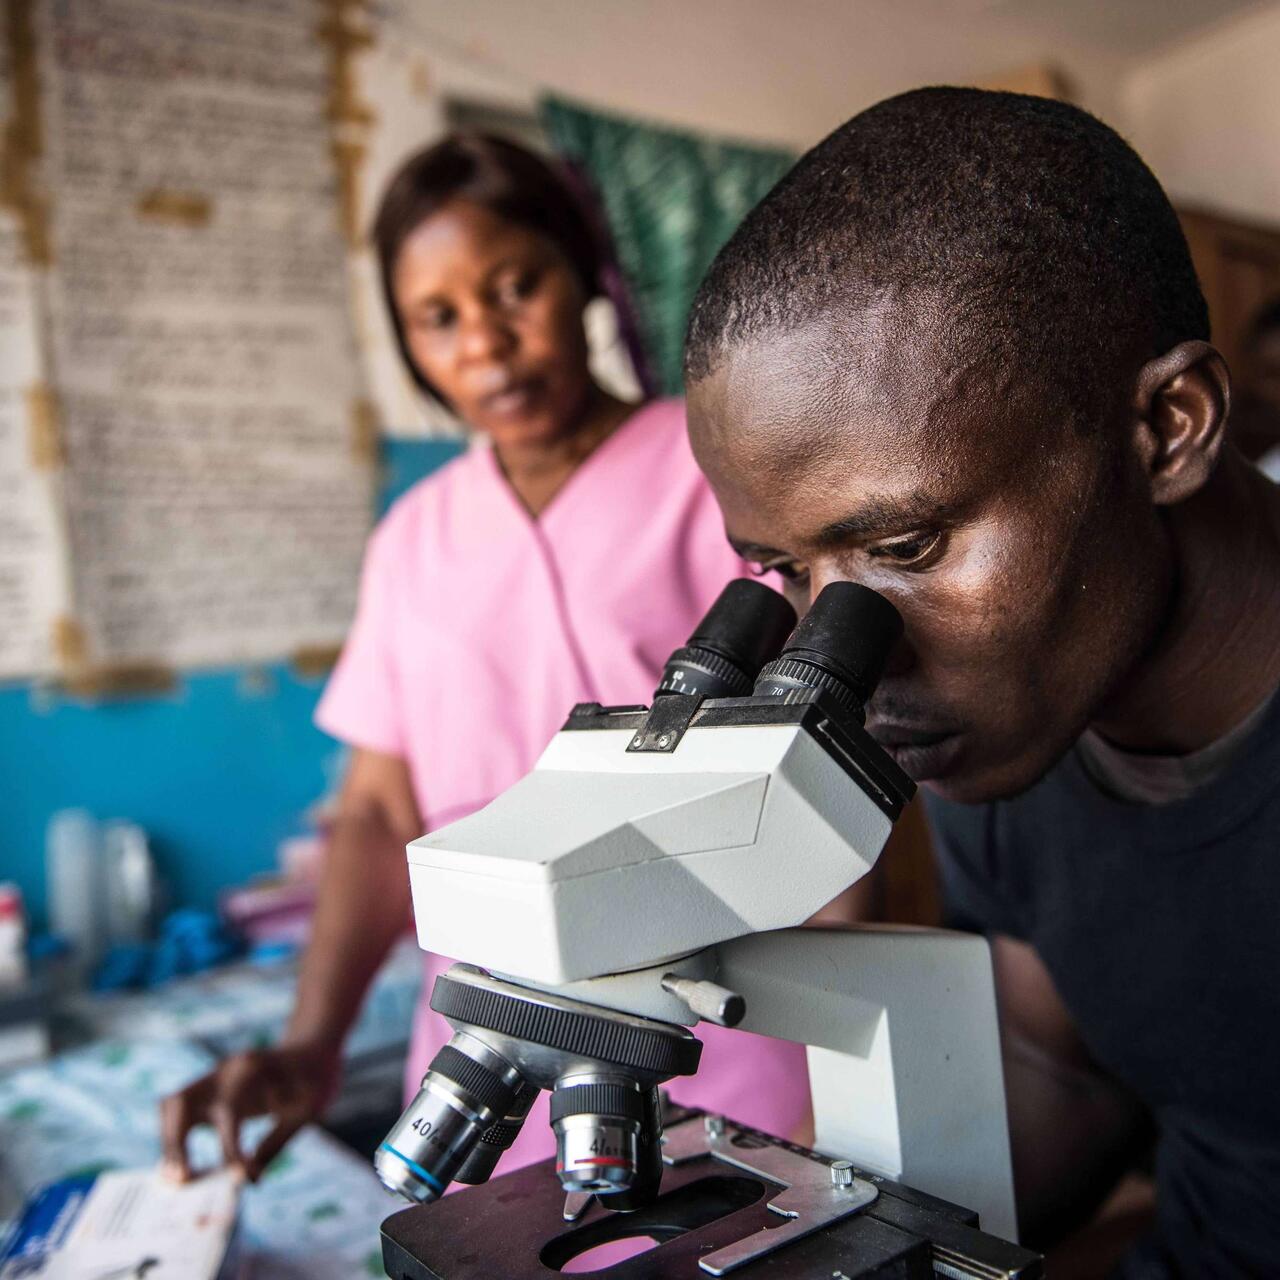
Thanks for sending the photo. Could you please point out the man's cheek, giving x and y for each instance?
(975, 658)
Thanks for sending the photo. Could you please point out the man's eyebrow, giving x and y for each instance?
(882, 515)
(874, 515)
(752, 550)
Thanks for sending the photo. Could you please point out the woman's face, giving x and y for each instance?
(492, 314)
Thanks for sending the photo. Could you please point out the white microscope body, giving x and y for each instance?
(655, 865)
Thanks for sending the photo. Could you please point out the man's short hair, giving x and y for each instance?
(1048, 239)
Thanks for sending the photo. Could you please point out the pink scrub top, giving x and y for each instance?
(479, 627)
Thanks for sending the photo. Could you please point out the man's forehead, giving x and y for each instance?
(873, 424)
(880, 380)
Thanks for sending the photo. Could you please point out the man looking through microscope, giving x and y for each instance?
(960, 355)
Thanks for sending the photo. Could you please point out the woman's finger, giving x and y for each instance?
(272, 1144)
(226, 1120)
(239, 1089)
(177, 1116)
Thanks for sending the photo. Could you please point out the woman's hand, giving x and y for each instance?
(363, 905)
(290, 1083)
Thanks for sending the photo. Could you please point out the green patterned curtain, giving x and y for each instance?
(671, 199)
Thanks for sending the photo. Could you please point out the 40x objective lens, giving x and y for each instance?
(597, 1124)
(467, 1089)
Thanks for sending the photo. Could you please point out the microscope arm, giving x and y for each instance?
(904, 1051)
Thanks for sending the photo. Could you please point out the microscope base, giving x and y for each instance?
(711, 1218)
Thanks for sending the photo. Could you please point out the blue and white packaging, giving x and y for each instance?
(122, 1225)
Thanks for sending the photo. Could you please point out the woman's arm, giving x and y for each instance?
(364, 904)
(364, 901)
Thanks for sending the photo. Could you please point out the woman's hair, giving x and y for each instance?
(500, 176)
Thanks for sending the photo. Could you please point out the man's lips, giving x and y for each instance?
(922, 753)
(901, 735)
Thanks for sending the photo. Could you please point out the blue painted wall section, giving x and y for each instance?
(217, 772)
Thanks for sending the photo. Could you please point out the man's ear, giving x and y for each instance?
(1182, 399)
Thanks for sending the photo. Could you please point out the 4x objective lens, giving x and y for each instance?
(467, 1089)
(597, 1122)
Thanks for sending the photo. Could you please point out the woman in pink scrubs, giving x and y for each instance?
(559, 560)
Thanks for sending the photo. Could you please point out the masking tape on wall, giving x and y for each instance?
(346, 31)
(83, 678)
(44, 428)
(364, 431)
(190, 209)
(22, 141)
(315, 660)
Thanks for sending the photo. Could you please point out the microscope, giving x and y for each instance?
(652, 871)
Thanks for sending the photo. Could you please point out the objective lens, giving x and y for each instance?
(841, 646)
(739, 634)
(597, 1123)
(466, 1090)
(647, 1182)
(496, 1139)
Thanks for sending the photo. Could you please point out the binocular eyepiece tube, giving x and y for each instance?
(841, 646)
(749, 644)
(743, 629)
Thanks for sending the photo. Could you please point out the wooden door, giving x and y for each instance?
(1239, 268)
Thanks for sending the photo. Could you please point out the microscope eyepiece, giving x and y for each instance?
(841, 646)
(742, 631)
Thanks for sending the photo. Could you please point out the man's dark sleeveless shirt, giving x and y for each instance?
(1160, 925)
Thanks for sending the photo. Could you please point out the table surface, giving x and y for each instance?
(316, 1211)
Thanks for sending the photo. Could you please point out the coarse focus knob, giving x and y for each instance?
(710, 1001)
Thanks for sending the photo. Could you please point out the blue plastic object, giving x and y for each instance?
(47, 947)
(268, 953)
(190, 941)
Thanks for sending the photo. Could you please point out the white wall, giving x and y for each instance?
(776, 71)
(1205, 113)
(786, 71)
(1206, 116)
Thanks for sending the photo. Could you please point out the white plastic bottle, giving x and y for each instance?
(13, 936)
(130, 882)
(76, 885)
